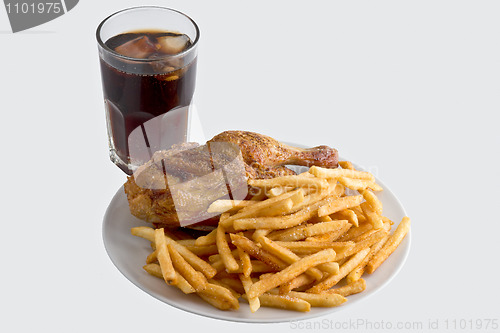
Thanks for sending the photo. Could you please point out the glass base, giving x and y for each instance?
(125, 167)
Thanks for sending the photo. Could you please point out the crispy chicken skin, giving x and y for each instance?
(268, 157)
(261, 157)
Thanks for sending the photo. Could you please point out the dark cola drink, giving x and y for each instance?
(153, 73)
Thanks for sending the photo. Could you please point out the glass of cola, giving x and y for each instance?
(148, 68)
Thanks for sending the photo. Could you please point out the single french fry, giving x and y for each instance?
(339, 204)
(346, 165)
(154, 269)
(387, 220)
(152, 257)
(283, 302)
(279, 208)
(245, 262)
(293, 181)
(375, 187)
(329, 267)
(182, 284)
(219, 297)
(372, 216)
(196, 279)
(253, 250)
(349, 289)
(360, 269)
(215, 302)
(204, 250)
(390, 246)
(317, 219)
(291, 272)
(254, 302)
(337, 173)
(144, 232)
(311, 247)
(223, 205)
(186, 242)
(263, 276)
(303, 231)
(373, 201)
(355, 184)
(319, 300)
(225, 251)
(277, 222)
(278, 234)
(163, 256)
(333, 279)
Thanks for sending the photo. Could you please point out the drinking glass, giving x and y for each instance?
(148, 80)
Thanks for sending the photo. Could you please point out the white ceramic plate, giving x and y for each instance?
(129, 253)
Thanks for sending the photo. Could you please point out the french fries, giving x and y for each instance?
(255, 251)
(344, 270)
(358, 271)
(290, 272)
(286, 247)
(286, 255)
(182, 284)
(195, 278)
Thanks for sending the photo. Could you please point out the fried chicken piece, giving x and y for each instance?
(267, 157)
(178, 184)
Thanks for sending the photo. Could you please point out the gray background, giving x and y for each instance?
(409, 89)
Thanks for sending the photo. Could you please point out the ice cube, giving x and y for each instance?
(165, 65)
(173, 44)
(139, 48)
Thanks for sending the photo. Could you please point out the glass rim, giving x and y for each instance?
(105, 47)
